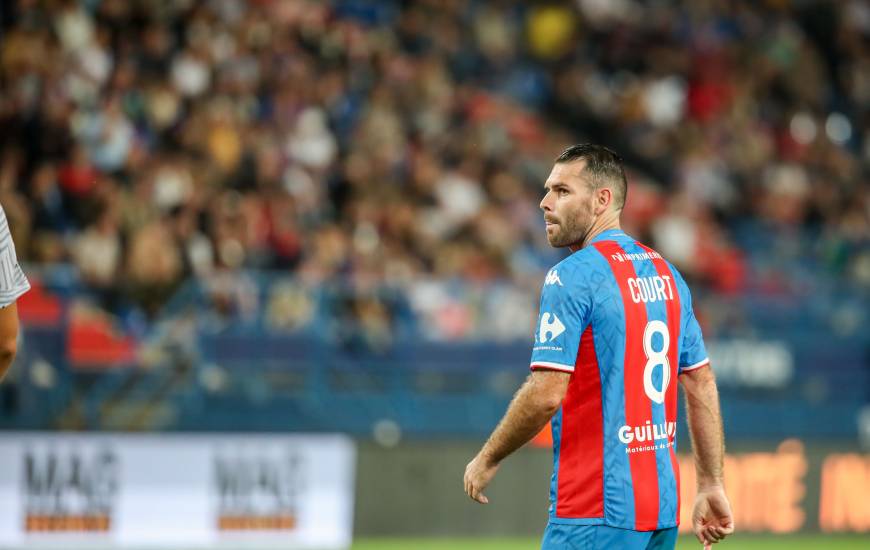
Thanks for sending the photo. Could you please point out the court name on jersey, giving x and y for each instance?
(650, 289)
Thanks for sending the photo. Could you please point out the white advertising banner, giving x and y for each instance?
(165, 491)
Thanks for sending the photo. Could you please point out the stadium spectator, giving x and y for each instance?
(389, 141)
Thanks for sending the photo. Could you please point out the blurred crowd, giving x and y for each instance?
(405, 143)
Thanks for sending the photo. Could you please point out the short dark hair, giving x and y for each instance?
(603, 166)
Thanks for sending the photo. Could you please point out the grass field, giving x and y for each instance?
(738, 542)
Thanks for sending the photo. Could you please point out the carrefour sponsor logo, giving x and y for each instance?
(551, 327)
(652, 435)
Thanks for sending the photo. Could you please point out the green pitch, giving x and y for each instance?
(738, 542)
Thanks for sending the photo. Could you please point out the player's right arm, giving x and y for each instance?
(8, 337)
(563, 316)
(530, 410)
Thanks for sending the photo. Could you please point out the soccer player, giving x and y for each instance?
(615, 332)
(13, 284)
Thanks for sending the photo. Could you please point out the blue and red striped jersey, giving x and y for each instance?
(618, 317)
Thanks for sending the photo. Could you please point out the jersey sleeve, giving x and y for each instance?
(694, 353)
(564, 315)
(13, 282)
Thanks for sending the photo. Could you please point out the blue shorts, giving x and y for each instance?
(602, 537)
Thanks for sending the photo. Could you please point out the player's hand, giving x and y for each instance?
(712, 520)
(478, 474)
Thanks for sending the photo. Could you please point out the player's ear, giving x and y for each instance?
(603, 199)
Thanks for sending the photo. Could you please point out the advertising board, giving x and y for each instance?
(292, 491)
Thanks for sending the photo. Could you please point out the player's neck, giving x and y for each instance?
(604, 223)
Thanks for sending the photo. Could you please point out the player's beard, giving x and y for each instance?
(570, 229)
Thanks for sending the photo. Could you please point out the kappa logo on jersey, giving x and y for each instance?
(551, 328)
(553, 278)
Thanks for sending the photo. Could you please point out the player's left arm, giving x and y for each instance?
(534, 404)
(8, 337)
(712, 518)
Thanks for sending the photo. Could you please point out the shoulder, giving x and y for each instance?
(4, 225)
(675, 273)
(680, 283)
(576, 269)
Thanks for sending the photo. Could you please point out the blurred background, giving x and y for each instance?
(320, 217)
